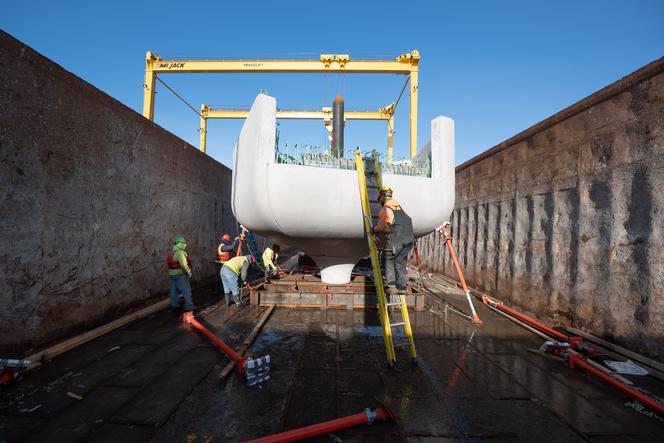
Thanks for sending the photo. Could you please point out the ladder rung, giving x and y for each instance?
(369, 178)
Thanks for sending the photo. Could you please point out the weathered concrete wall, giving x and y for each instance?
(92, 193)
(565, 220)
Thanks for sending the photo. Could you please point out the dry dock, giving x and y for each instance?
(562, 222)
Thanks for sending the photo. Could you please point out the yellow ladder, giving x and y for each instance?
(383, 304)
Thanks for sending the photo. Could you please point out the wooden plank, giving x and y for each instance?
(73, 342)
(248, 341)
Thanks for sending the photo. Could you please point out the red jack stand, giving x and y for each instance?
(448, 242)
(9, 369)
(363, 418)
(256, 370)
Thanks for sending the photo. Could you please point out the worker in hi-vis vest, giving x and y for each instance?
(179, 271)
(394, 235)
(234, 269)
(225, 251)
(270, 256)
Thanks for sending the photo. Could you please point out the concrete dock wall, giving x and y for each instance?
(92, 194)
(566, 219)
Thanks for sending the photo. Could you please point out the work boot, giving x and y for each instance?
(228, 298)
(175, 309)
(391, 293)
(401, 292)
(190, 308)
(237, 301)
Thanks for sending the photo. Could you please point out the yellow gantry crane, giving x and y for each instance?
(386, 113)
(405, 64)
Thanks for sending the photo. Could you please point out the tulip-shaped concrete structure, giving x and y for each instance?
(317, 209)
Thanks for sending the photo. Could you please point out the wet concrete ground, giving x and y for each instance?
(156, 380)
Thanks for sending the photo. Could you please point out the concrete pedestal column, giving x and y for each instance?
(335, 270)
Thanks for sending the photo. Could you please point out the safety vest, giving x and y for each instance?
(222, 256)
(401, 231)
(235, 264)
(174, 264)
(269, 257)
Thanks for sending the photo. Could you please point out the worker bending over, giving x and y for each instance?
(179, 271)
(394, 235)
(225, 251)
(233, 269)
(270, 256)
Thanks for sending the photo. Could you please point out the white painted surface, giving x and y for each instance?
(318, 210)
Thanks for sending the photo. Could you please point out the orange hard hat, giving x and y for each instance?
(226, 237)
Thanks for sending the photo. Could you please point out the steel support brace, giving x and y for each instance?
(362, 418)
(532, 322)
(188, 317)
(448, 242)
(578, 361)
(255, 370)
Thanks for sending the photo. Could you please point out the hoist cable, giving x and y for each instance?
(179, 96)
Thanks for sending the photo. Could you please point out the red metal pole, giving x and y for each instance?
(366, 417)
(448, 243)
(577, 361)
(220, 344)
(533, 322)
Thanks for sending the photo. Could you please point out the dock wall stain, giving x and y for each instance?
(565, 221)
(92, 194)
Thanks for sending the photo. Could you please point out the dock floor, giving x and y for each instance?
(158, 380)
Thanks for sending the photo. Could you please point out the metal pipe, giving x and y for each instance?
(366, 417)
(188, 317)
(577, 361)
(466, 291)
(574, 358)
(338, 127)
(559, 336)
(549, 338)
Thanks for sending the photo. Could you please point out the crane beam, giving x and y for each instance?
(386, 113)
(323, 114)
(327, 63)
(405, 64)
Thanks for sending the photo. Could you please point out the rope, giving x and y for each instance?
(180, 97)
(237, 230)
(401, 93)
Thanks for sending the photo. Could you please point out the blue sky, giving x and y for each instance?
(495, 67)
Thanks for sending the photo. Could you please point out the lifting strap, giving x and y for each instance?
(372, 179)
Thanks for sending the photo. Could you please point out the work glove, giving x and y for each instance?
(189, 274)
